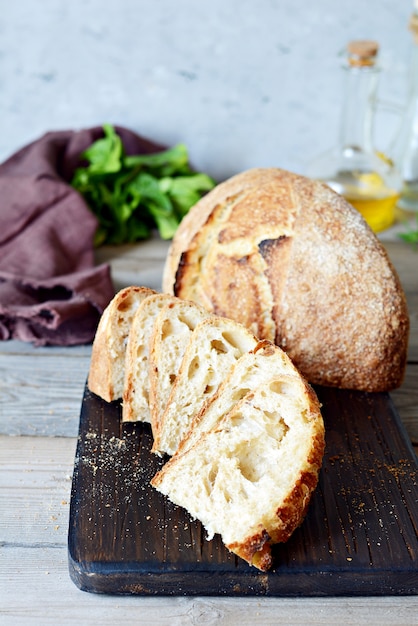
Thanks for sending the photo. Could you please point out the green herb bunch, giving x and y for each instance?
(133, 195)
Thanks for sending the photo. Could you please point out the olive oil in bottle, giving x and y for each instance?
(353, 168)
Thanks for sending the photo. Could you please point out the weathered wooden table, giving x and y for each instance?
(41, 392)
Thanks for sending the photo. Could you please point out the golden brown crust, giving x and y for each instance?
(99, 378)
(293, 261)
(108, 345)
(256, 549)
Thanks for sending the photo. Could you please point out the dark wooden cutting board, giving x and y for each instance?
(359, 537)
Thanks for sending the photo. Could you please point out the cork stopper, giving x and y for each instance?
(362, 52)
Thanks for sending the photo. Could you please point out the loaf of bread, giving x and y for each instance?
(298, 265)
(250, 462)
(170, 335)
(214, 346)
(107, 370)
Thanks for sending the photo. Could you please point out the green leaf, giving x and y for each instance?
(185, 191)
(166, 163)
(167, 224)
(146, 188)
(131, 195)
(105, 155)
(137, 229)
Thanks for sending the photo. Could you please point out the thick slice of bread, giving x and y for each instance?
(292, 260)
(251, 370)
(171, 332)
(248, 467)
(107, 369)
(135, 407)
(214, 346)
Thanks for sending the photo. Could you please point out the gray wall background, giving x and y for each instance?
(243, 83)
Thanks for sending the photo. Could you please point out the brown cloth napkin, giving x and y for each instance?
(50, 291)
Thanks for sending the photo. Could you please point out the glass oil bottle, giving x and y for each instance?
(353, 168)
(405, 148)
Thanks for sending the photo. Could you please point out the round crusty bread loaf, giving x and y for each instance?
(298, 265)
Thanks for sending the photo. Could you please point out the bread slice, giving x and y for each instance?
(172, 330)
(297, 264)
(135, 407)
(250, 371)
(214, 346)
(107, 368)
(248, 467)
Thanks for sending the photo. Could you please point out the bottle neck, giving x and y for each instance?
(358, 108)
(413, 72)
(413, 26)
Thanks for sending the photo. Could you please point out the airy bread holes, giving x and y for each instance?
(218, 346)
(212, 477)
(193, 367)
(191, 324)
(209, 389)
(124, 305)
(284, 387)
(236, 420)
(239, 394)
(253, 472)
(234, 340)
(139, 351)
(166, 329)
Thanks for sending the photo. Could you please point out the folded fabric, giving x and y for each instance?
(51, 293)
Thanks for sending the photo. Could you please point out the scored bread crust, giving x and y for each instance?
(107, 365)
(294, 262)
(250, 479)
